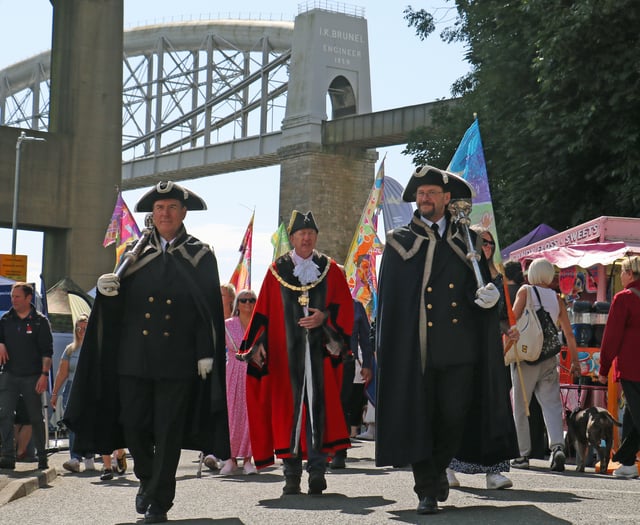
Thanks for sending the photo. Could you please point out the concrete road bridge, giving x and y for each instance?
(193, 99)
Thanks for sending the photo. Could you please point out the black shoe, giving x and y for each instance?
(43, 464)
(141, 501)
(337, 462)
(291, 485)
(427, 505)
(155, 514)
(7, 464)
(317, 483)
(106, 475)
(443, 488)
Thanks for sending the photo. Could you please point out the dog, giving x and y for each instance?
(591, 427)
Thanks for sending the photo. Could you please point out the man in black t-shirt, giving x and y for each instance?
(26, 347)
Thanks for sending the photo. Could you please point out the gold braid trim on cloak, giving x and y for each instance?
(304, 297)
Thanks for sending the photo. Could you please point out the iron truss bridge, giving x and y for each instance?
(187, 87)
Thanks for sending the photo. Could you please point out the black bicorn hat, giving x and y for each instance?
(300, 221)
(449, 182)
(170, 190)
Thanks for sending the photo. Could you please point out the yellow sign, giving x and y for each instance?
(13, 266)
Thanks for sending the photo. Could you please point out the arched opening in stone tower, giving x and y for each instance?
(342, 98)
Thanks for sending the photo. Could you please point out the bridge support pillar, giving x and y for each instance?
(86, 111)
(333, 185)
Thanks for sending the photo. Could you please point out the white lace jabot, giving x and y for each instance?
(305, 269)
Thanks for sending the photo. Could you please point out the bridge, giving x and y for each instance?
(209, 97)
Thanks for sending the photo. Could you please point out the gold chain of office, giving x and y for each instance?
(304, 295)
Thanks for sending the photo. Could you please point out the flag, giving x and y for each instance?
(122, 227)
(241, 277)
(468, 162)
(395, 211)
(280, 242)
(360, 265)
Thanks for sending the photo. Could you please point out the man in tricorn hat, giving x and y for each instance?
(300, 329)
(151, 376)
(441, 386)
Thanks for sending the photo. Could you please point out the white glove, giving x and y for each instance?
(487, 296)
(205, 365)
(109, 284)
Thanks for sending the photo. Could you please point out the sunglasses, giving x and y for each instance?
(488, 243)
(246, 300)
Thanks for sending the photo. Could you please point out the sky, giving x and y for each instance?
(404, 71)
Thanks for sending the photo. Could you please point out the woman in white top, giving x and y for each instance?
(542, 378)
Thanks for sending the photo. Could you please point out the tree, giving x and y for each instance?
(555, 85)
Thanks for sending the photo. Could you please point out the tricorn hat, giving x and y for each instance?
(449, 182)
(170, 190)
(300, 221)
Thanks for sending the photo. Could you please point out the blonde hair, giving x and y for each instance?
(632, 264)
(82, 318)
(541, 272)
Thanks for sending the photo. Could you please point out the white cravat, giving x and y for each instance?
(305, 269)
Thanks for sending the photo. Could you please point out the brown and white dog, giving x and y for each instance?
(591, 426)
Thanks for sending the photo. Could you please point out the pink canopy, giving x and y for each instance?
(586, 255)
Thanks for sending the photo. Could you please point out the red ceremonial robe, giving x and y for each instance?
(276, 391)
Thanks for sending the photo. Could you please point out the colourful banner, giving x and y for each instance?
(469, 163)
(122, 226)
(241, 277)
(280, 242)
(360, 264)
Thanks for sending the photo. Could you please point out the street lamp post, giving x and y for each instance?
(16, 186)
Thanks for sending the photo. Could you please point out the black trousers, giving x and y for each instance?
(448, 397)
(153, 418)
(627, 452)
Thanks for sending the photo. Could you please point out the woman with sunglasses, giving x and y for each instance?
(236, 385)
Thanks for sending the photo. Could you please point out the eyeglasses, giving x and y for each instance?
(488, 243)
(246, 300)
(431, 193)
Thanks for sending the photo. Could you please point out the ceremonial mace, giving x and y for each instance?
(460, 210)
(132, 255)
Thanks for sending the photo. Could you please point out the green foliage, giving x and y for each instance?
(556, 88)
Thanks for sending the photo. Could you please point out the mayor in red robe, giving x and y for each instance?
(299, 332)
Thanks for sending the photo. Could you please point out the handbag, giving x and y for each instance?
(551, 343)
(529, 344)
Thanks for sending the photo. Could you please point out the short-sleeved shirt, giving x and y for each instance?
(27, 340)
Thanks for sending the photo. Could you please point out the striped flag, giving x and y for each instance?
(469, 163)
(241, 277)
(360, 265)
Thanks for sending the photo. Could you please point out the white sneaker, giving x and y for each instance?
(249, 468)
(229, 467)
(626, 471)
(72, 465)
(495, 480)
(369, 435)
(451, 478)
(89, 464)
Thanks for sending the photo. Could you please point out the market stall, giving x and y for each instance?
(585, 257)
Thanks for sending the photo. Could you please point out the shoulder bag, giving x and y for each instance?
(551, 344)
(529, 345)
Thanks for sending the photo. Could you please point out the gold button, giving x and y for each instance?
(167, 317)
(429, 306)
(454, 304)
(450, 285)
(429, 289)
(454, 321)
(151, 299)
(168, 301)
(429, 323)
(166, 334)
(147, 315)
(145, 332)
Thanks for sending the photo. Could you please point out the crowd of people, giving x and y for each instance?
(172, 359)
